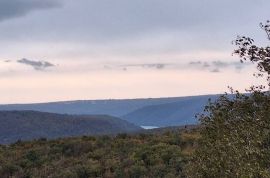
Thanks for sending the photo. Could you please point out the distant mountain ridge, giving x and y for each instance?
(160, 112)
(113, 107)
(29, 125)
(169, 114)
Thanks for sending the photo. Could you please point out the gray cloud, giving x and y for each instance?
(215, 70)
(86, 29)
(158, 66)
(216, 66)
(104, 20)
(37, 65)
(17, 8)
(155, 66)
(212, 66)
(123, 17)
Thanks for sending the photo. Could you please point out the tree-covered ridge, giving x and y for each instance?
(29, 125)
(141, 155)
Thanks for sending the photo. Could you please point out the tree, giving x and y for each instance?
(235, 132)
(247, 51)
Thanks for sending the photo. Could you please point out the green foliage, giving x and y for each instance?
(248, 51)
(235, 133)
(235, 138)
(142, 155)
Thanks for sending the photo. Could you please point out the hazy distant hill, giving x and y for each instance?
(108, 107)
(170, 114)
(28, 125)
(153, 111)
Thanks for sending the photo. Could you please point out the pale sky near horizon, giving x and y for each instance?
(55, 50)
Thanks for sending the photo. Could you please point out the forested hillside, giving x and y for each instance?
(140, 155)
(28, 125)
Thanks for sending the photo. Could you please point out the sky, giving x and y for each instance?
(58, 50)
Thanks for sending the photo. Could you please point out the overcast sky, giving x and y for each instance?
(53, 50)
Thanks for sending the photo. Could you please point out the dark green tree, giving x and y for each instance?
(235, 132)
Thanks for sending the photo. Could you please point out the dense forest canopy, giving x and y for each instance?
(161, 154)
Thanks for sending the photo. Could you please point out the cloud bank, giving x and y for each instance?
(216, 66)
(210, 66)
(37, 65)
(17, 8)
